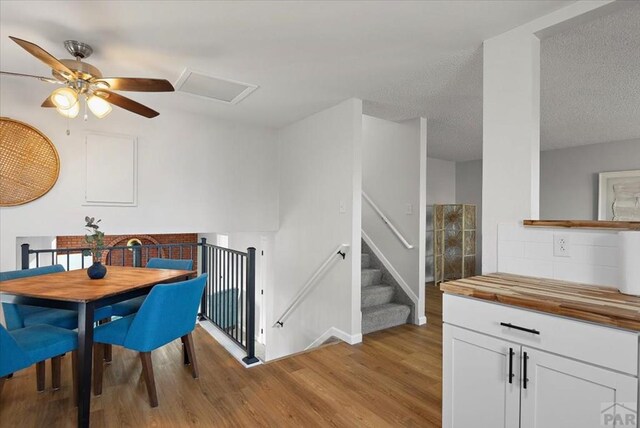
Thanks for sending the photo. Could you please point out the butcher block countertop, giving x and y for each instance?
(603, 305)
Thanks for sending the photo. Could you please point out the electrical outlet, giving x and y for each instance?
(343, 207)
(561, 246)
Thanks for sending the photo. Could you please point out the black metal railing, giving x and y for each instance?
(229, 298)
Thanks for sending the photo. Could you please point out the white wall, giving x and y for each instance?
(195, 174)
(441, 181)
(569, 177)
(320, 161)
(469, 191)
(391, 176)
(593, 255)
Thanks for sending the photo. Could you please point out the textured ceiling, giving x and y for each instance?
(404, 59)
(590, 82)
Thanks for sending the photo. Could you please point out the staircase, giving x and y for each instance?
(380, 309)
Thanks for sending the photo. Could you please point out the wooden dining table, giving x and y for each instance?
(74, 290)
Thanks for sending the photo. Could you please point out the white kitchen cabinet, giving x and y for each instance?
(478, 392)
(561, 378)
(561, 392)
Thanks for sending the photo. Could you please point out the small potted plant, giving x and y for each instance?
(96, 243)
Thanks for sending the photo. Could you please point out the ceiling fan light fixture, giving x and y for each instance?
(99, 107)
(64, 98)
(71, 112)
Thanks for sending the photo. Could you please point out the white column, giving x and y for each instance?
(511, 136)
(511, 120)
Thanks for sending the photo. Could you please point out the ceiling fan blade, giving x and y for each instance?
(126, 103)
(44, 79)
(44, 56)
(47, 103)
(138, 84)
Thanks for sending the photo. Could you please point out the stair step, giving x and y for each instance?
(370, 276)
(385, 316)
(375, 295)
(365, 261)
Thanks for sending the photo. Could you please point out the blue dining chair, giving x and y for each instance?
(20, 316)
(131, 306)
(23, 347)
(168, 313)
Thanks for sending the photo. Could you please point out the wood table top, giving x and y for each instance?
(76, 286)
(603, 305)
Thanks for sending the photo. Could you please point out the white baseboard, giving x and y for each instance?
(422, 320)
(236, 352)
(351, 339)
(396, 275)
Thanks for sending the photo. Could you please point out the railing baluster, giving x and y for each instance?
(241, 301)
(123, 256)
(37, 259)
(53, 260)
(67, 260)
(81, 260)
(236, 294)
(24, 253)
(251, 307)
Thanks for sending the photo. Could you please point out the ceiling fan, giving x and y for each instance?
(80, 79)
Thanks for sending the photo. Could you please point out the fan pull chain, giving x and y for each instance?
(68, 131)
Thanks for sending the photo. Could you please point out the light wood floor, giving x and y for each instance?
(392, 379)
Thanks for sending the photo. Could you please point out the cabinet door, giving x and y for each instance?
(563, 393)
(476, 387)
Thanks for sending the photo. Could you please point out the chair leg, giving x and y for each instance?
(108, 349)
(185, 354)
(98, 363)
(55, 372)
(2, 379)
(74, 377)
(149, 380)
(108, 353)
(191, 352)
(40, 376)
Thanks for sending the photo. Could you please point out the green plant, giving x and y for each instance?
(95, 240)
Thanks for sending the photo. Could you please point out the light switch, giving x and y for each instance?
(409, 209)
(343, 207)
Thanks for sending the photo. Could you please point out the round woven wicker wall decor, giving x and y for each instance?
(29, 163)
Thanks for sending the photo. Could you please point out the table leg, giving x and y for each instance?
(85, 348)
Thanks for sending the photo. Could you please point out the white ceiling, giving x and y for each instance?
(590, 82)
(403, 58)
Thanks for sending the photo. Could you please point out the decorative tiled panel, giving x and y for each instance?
(452, 267)
(438, 269)
(439, 242)
(469, 266)
(453, 217)
(438, 220)
(469, 242)
(469, 217)
(454, 242)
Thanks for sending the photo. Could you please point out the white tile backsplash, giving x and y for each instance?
(593, 255)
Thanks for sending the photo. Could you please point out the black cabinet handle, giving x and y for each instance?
(511, 365)
(525, 379)
(517, 327)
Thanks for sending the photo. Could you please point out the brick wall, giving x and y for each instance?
(120, 257)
